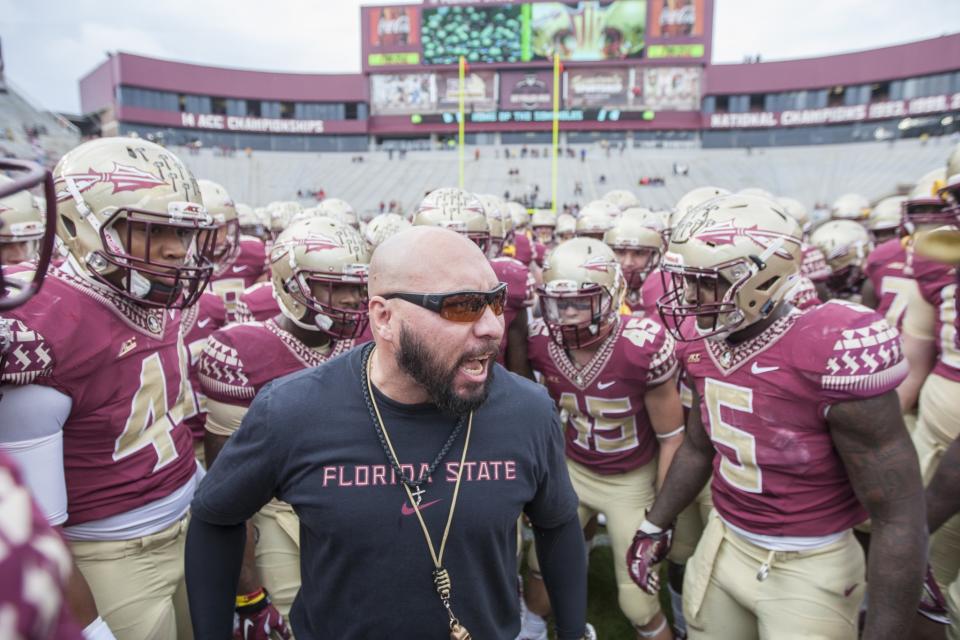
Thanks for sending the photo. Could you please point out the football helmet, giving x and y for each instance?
(923, 213)
(220, 206)
(581, 294)
(22, 225)
(730, 262)
(249, 221)
(457, 210)
(310, 212)
(885, 218)
(519, 214)
(929, 183)
(797, 211)
(544, 225)
(340, 210)
(941, 244)
(111, 187)
(382, 227)
(566, 227)
(688, 201)
(758, 192)
(850, 206)
(846, 245)
(622, 198)
(499, 221)
(596, 218)
(950, 191)
(18, 223)
(281, 213)
(308, 261)
(638, 231)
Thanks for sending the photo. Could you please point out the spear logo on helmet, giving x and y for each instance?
(122, 177)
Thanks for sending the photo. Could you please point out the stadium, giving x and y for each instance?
(544, 324)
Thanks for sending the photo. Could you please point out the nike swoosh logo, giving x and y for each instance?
(238, 269)
(755, 369)
(605, 385)
(849, 590)
(247, 626)
(203, 323)
(407, 510)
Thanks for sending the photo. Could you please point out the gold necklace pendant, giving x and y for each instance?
(459, 632)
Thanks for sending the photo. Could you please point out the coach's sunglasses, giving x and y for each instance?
(458, 306)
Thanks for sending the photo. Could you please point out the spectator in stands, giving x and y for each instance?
(583, 155)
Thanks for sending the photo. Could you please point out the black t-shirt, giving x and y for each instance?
(366, 572)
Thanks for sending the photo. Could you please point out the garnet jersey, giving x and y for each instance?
(890, 269)
(198, 322)
(257, 304)
(520, 293)
(528, 250)
(126, 442)
(607, 427)
(938, 287)
(34, 567)
(240, 359)
(813, 264)
(644, 301)
(245, 270)
(803, 294)
(764, 403)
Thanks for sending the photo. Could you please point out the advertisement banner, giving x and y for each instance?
(479, 33)
(391, 35)
(248, 124)
(596, 87)
(530, 90)
(402, 93)
(676, 18)
(587, 31)
(670, 88)
(480, 90)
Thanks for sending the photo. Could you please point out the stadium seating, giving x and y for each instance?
(55, 135)
(810, 174)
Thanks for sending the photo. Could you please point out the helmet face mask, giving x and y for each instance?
(707, 295)
(324, 297)
(929, 211)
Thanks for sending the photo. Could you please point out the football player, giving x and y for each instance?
(884, 220)
(846, 245)
(622, 198)
(21, 226)
(637, 240)
(612, 375)
(544, 225)
(795, 419)
(813, 265)
(319, 273)
(566, 227)
(850, 206)
(238, 259)
(596, 219)
(932, 346)
(97, 379)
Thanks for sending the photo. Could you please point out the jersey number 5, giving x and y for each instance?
(743, 473)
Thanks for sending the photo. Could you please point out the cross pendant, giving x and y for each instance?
(418, 496)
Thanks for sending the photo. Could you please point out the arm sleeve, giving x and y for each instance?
(224, 419)
(32, 419)
(919, 319)
(248, 469)
(563, 563)
(555, 501)
(213, 557)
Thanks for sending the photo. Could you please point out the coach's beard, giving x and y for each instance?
(420, 363)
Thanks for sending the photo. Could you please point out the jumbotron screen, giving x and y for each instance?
(594, 31)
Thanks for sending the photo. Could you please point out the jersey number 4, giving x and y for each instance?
(152, 419)
(742, 472)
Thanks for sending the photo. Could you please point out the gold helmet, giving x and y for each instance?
(114, 194)
(885, 217)
(499, 221)
(850, 206)
(689, 200)
(310, 262)
(941, 244)
(929, 183)
(758, 192)
(622, 198)
(21, 220)
(846, 245)
(519, 214)
(249, 221)
(566, 227)
(21, 223)
(281, 213)
(221, 207)
(457, 210)
(732, 260)
(950, 191)
(382, 227)
(544, 225)
(311, 212)
(797, 211)
(596, 218)
(340, 210)
(581, 293)
(638, 232)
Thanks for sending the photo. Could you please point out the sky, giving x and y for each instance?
(48, 45)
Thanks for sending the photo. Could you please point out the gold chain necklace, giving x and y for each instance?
(441, 577)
